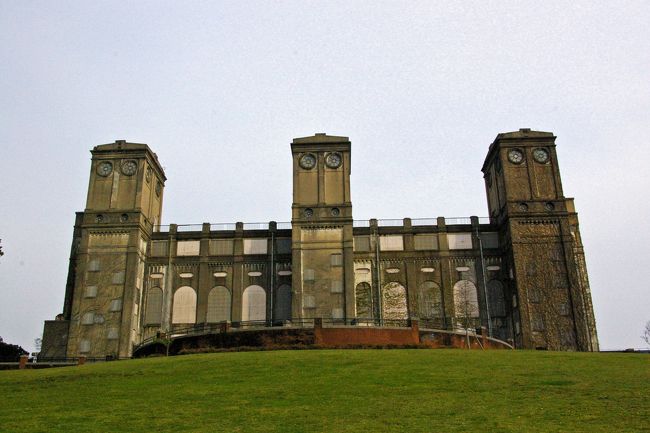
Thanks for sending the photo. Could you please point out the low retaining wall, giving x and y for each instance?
(322, 336)
(365, 336)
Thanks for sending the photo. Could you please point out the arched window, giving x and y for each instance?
(282, 310)
(429, 301)
(363, 298)
(496, 299)
(218, 305)
(465, 299)
(184, 310)
(153, 312)
(253, 304)
(394, 302)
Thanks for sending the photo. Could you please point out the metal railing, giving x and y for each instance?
(390, 222)
(189, 227)
(424, 222)
(458, 220)
(223, 227)
(256, 226)
(285, 225)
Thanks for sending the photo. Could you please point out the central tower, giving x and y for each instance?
(321, 216)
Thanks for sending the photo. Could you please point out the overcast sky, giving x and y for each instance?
(219, 90)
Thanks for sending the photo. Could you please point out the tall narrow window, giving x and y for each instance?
(496, 298)
(218, 305)
(153, 312)
(429, 301)
(254, 304)
(394, 302)
(184, 309)
(363, 298)
(465, 299)
(282, 310)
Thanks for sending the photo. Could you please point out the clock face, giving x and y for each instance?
(308, 161)
(516, 156)
(129, 167)
(333, 160)
(541, 155)
(104, 168)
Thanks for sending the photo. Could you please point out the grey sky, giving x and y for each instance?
(219, 89)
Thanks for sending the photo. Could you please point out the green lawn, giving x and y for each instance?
(336, 391)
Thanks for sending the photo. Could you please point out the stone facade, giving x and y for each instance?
(520, 272)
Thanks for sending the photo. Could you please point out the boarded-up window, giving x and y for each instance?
(309, 301)
(93, 265)
(308, 274)
(91, 292)
(537, 323)
(459, 241)
(496, 298)
(118, 277)
(362, 243)
(159, 248)
(88, 318)
(184, 309)
(282, 309)
(425, 242)
(391, 243)
(84, 346)
(113, 333)
(153, 312)
(221, 247)
(394, 302)
(254, 304)
(188, 248)
(563, 309)
(255, 246)
(429, 301)
(283, 246)
(490, 240)
(336, 286)
(465, 300)
(218, 305)
(363, 299)
(116, 305)
(336, 259)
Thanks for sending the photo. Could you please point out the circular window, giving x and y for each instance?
(130, 167)
(549, 206)
(309, 212)
(307, 161)
(541, 155)
(516, 156)
(523, 207)
(104, 168)
(124, 217)
(335, 211)
(99, 218)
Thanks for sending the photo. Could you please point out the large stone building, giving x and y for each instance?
(519, 272)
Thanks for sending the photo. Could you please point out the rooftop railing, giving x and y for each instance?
(287, 225)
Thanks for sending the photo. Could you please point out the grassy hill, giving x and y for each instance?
(336, 391)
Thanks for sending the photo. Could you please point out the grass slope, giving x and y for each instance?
(336, 391)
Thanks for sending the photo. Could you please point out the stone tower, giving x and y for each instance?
(108, 254)
(322, 255)
(546, 273)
